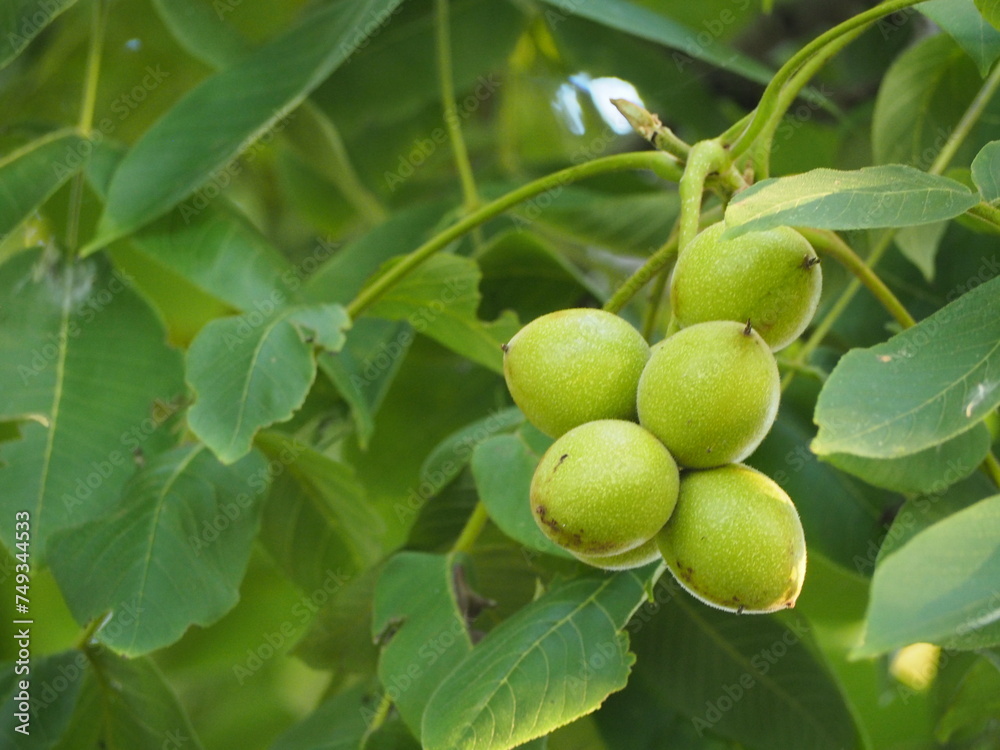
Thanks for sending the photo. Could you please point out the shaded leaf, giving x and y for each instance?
(962, 20)
(250, 371)
(920, 102)
(919, 245)
(219, 118)
(201, 31)
(83, 360)
(503, 467)
(23, 20)
(986, 171)
(317, 522)
(555, 660)
(50, 711)
(893, 195)
(930, 470)
(365, 367)
(656, 27)
(750, 679)
(918, 389)
(31, 174)
(991, 11)
(452, 454)
(419, 618)
(171, 555)
(338, 723)
(940, 586)
(975, 703)
(440, 299)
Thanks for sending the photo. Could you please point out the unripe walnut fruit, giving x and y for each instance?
(710, 393)
(574, 366)
(771, 278)
(735, 541)
(604, 488)
(644, 554)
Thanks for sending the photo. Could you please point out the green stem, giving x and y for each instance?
(655, 300)
(767, 107)
(965, 125)
(660, 163)
(705, 157)
(381, 714)
(472, 529)
(654, 263)
(830, 244)
(991, 467)
(787, 96)
(88, 632)
(987, 213)
(98, 22)
(443, 41)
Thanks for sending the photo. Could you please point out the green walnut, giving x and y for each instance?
(710, 392)
(735, 541)
(574, 366)
(604, 488)
(634, 558)
(771, 278)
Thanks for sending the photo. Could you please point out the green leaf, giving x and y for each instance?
(918, 389)
(365, 367)
(656, 27)
(172, 554)
(452, 454)
(753, 680)
(930, 470)
(136, 707)
(253, 370)
(964, 23)
(202, 32)
(503, 467)
(919, 245)
(420, 609)
(940, 586)
(218, 119)
(991, 11)
(23, 20)
(440, 299)
(338, 723)
(31, 174)
(50, 710)
(893, 195)
(986, 172)
(920, 102)
(84, 362)
(555, 660)
(317, 521)
(976, 702)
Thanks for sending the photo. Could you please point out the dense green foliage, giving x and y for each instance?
(262, 484)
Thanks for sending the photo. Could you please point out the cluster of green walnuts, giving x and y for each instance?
(648, 440)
